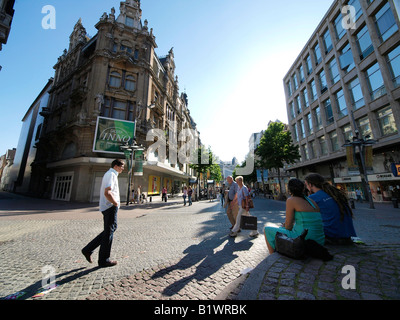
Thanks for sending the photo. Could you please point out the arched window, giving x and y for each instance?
(115, 47)
(130, 83)
(115, 79)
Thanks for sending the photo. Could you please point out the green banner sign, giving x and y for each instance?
(139, 157)
(111, 134)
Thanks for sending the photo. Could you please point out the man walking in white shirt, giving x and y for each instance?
(109, 205)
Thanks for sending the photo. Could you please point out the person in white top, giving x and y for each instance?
(109, 204)
(185, 193)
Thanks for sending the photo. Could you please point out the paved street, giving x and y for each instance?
(172, 251)
(167, 251)
(372, 267)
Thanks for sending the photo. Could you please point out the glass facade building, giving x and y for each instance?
(351, 85)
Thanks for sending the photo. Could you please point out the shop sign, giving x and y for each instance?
(351, 158)
(259, 178)
(167, 183)
(369, 158)
(352, 165)
(154, 185)
(347, 179)
(396, 169)
(139, 159)
(111, 134)
(265, 174)
(382, 177)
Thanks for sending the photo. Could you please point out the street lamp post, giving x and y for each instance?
(129, 151)
(361, 144)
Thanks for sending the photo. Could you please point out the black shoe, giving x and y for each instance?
(107, 264)
(87, 256)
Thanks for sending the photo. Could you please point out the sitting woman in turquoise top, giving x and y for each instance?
(301, 213)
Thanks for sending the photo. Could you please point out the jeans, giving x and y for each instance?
(104, 239)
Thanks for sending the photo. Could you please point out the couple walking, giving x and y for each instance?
(187, 192)
(234, 210)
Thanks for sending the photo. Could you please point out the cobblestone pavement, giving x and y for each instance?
(164, 252)
(197, 276)
(375, 263)
(377, 276)
(171, 252)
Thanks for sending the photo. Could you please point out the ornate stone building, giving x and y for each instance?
(6, 17)
(116, 74)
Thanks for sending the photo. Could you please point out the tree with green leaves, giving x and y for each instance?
(206, 162)
(247, 179)
(276, 148)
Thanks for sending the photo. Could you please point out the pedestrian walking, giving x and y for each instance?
(139, 194)
(210, 194)
(109, 204)
(232, 208)
(241, 194)
(184, 195)
(359, 196)
(164, 194)
(222, 194)
(190, 193)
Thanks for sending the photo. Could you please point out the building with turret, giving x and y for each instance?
(110, 90)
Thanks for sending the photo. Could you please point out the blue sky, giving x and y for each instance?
(230, 55)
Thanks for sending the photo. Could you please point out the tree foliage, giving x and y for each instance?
(247, 179)
(206, 162)
(276, 147)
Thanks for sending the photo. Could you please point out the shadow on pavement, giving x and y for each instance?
(207, 260)
(33, 289)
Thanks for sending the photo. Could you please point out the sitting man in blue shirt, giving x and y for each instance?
(335, 212)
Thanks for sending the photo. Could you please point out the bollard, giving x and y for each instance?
(151, 199)
(352, 205)
(395, 203)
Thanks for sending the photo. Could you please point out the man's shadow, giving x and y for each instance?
(210, 261)
(75, 274)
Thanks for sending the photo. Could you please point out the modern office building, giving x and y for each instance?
(346, 81)
(102, 86)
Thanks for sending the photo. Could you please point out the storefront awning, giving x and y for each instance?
(164, 168)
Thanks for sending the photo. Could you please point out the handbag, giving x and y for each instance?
(247, 201)
(294, 248)
(248, 223)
